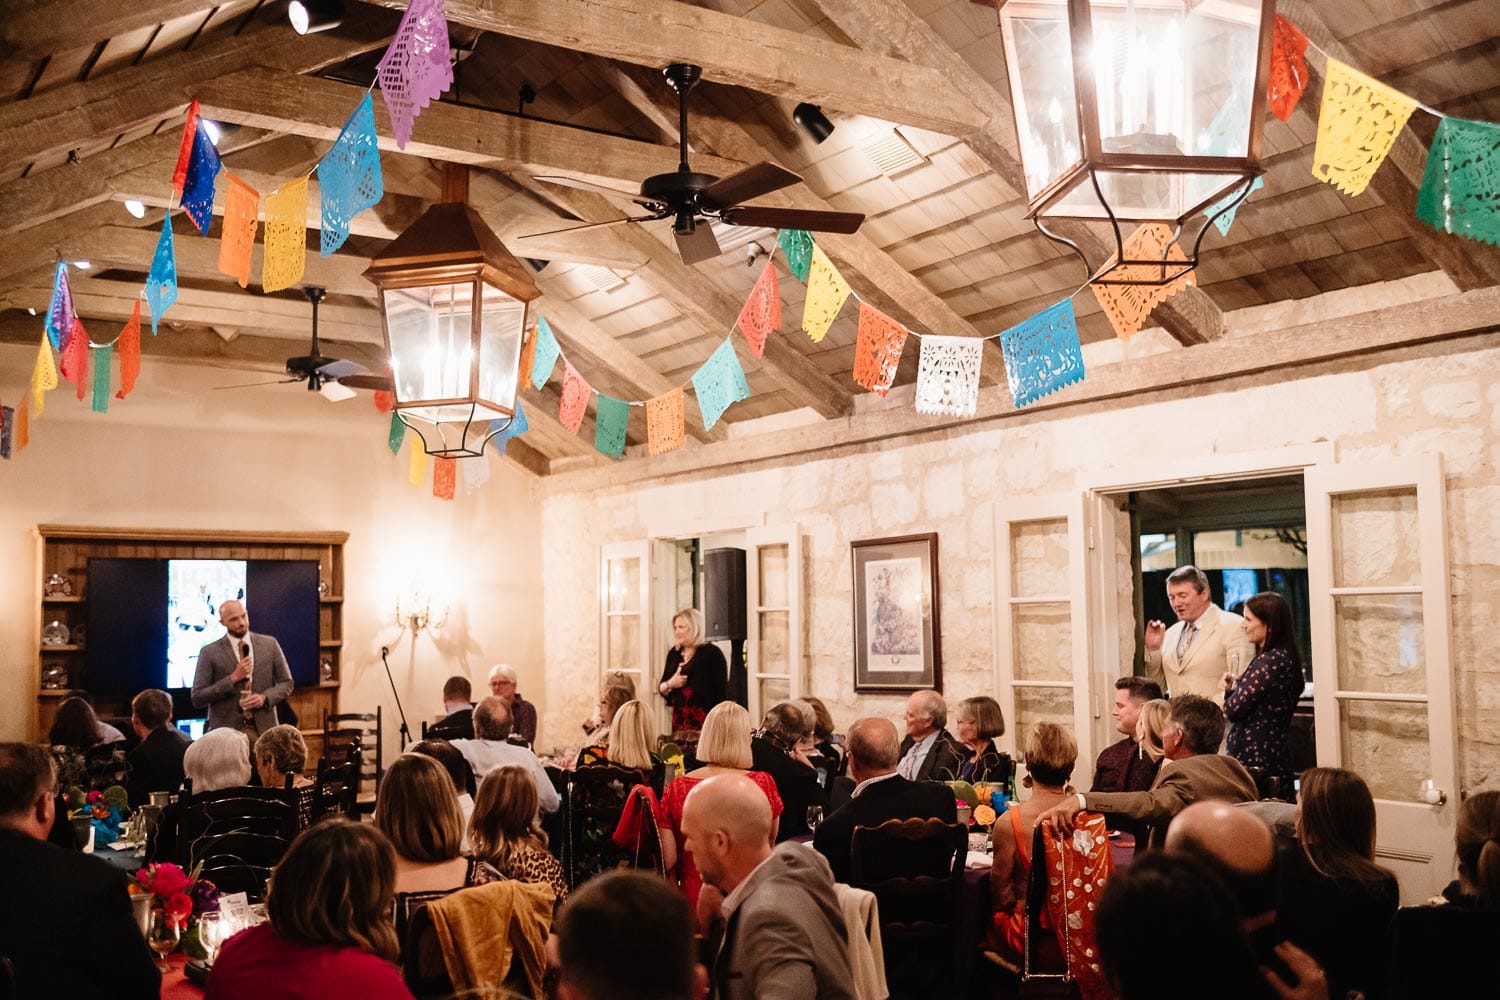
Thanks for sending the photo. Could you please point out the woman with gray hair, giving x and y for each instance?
(219, 759)
(280, 759)
(696, 677)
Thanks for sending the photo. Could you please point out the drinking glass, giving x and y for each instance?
(814, 817)
(211, 928)
(163, 936)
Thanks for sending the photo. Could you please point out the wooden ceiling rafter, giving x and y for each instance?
(40, 28)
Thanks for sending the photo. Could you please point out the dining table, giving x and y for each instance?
(175, 984)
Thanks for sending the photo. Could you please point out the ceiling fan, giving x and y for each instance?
(336, 379)
(693, 200)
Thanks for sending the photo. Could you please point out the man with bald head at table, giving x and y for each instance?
(784, 935)
(242, 677)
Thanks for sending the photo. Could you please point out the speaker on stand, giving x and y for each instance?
(724, 612)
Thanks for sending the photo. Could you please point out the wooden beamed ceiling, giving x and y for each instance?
(249, 69)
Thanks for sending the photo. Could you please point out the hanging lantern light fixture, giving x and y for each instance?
(454, 307)
(1135, 111)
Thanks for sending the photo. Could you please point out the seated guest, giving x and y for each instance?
(826, 742)
(1333, 900)
(77, 726)
(610, 701)
(281, 753)
(723, 748)
(1477, 840)
(458, 708)
(1124, 766)
(979, 722)
(929, 752)
(628, 936)
(612, 678)
(504, 832)
(76, 919)
(329, 931)
(784, 936)
(418, 813)
(630, 743)
(1194, 770)
(880, 794)
(491, 748)
(221, 759)
(522, 712)
(1150, 727)
(775, 750)
(1240, 849)
(156, 762)
(1050, 756)
(89, 753)
(458, 769)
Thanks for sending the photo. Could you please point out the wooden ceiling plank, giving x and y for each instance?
(731, 50)
(891, 26)
(39, 28)
(61, 119)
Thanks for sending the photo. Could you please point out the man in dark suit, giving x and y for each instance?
(156, 762)
(929, 752)
(1194, 771)
(881, 794)
(1124, 766)
(74, 935)
(774, 751)
(459, 721)
(242, 677)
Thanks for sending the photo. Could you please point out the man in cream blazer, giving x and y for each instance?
(1207, 642)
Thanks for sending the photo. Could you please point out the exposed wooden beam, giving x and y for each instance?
(1469, 263)
(41, 27)
(733, 50)
(890, 26)
(61, 119)
(1357, 339)
(285, 102)
(890, 286)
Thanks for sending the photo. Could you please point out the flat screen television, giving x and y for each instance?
(148, 618)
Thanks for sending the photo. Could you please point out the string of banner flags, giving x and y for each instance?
(1358, 123)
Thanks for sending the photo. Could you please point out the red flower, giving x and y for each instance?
(164, 880)
(95, 796)
(179, 907)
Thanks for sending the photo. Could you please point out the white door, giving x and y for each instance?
(773, 616)
(1041, 611)
(1382, 680)
(625, 613)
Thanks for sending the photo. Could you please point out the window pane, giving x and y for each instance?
(1375, 539)
(1043, 642)
(774, 690)
(774, 643)
(1158, 552)
(1386, 743)
(1035, 705)
(1380, 644)
(1039, 558)
(624, 585)
(774, 576)
(624, 642)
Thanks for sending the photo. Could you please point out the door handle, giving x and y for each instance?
(1431, 794)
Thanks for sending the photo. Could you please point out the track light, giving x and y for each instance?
(213, 130)
(135, 207)
(813, 121)
(309, 16)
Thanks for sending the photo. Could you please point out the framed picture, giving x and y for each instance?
(897, 634)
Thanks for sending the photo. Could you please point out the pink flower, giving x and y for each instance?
(164, 880)
(95, 796)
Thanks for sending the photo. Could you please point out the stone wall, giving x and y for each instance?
(1441, 398)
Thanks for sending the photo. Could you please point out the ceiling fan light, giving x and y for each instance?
(311, 16)
(811, 119)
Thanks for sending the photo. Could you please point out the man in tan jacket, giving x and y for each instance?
(1206, 643)
(1193, 771)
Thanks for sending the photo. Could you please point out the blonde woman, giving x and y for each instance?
(418, 812)
(723, 749)
(503, 830)
(696, 677)
(1149, 727)
(631, 741)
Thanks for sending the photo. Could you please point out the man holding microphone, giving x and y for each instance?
(241, 677)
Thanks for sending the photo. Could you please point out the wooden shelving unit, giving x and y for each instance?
(66, 549)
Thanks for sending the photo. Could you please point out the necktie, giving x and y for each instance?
(1186, 638)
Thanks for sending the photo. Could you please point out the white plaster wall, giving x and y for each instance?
(277, 458)
(1441, 398)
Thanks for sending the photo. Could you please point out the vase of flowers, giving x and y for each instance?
(104, 810)
(181, 897)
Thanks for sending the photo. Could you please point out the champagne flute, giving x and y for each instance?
(163, 936)
(814, 817)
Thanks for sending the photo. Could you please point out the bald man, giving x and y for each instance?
(784, 935)
(241, 677)
(881, 794)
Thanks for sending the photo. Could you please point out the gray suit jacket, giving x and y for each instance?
(212, 688)
(1178, 785)
(786, 939)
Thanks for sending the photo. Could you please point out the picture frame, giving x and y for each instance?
(897, 614)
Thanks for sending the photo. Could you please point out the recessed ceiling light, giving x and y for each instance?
(135, 207)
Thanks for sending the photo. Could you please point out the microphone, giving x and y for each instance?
(243, 685)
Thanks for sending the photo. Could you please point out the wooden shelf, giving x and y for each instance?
(330, 600)
(330, 643)
(62, 600)
(54, 692)
(326, 684)
(64, 648)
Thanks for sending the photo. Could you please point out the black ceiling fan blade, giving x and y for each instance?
(251, 385)
(574, 182)
(752, 182)
(380, 383)
(588, 225)
(794, 218)
(699, 245)
(336, 368)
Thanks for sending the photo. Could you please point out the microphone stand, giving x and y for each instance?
(385, 651)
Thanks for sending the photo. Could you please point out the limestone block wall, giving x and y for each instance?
(1442, 398)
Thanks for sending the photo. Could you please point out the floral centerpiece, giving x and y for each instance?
(182, 896)
(104, 809)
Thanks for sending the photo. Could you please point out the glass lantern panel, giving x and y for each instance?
(1138, 196)
(1038, 54)
(430, 329)
(1175, 77)
(501, 321)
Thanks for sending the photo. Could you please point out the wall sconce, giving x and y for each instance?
(417, 610)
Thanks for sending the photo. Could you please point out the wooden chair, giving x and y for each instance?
(239, 862)
(915, 868)
(425, 969)
(268, 812)
(367, 726)
(336, 788)
(592, 805)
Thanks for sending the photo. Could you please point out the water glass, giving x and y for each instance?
(211, 928)
(814, 817)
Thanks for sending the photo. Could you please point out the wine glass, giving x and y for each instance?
(163, 936)
(814, 817)
(211, 928)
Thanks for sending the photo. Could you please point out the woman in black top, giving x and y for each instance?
(696, 677)
(1333, 900)
(979, 722)
(1260, 701)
